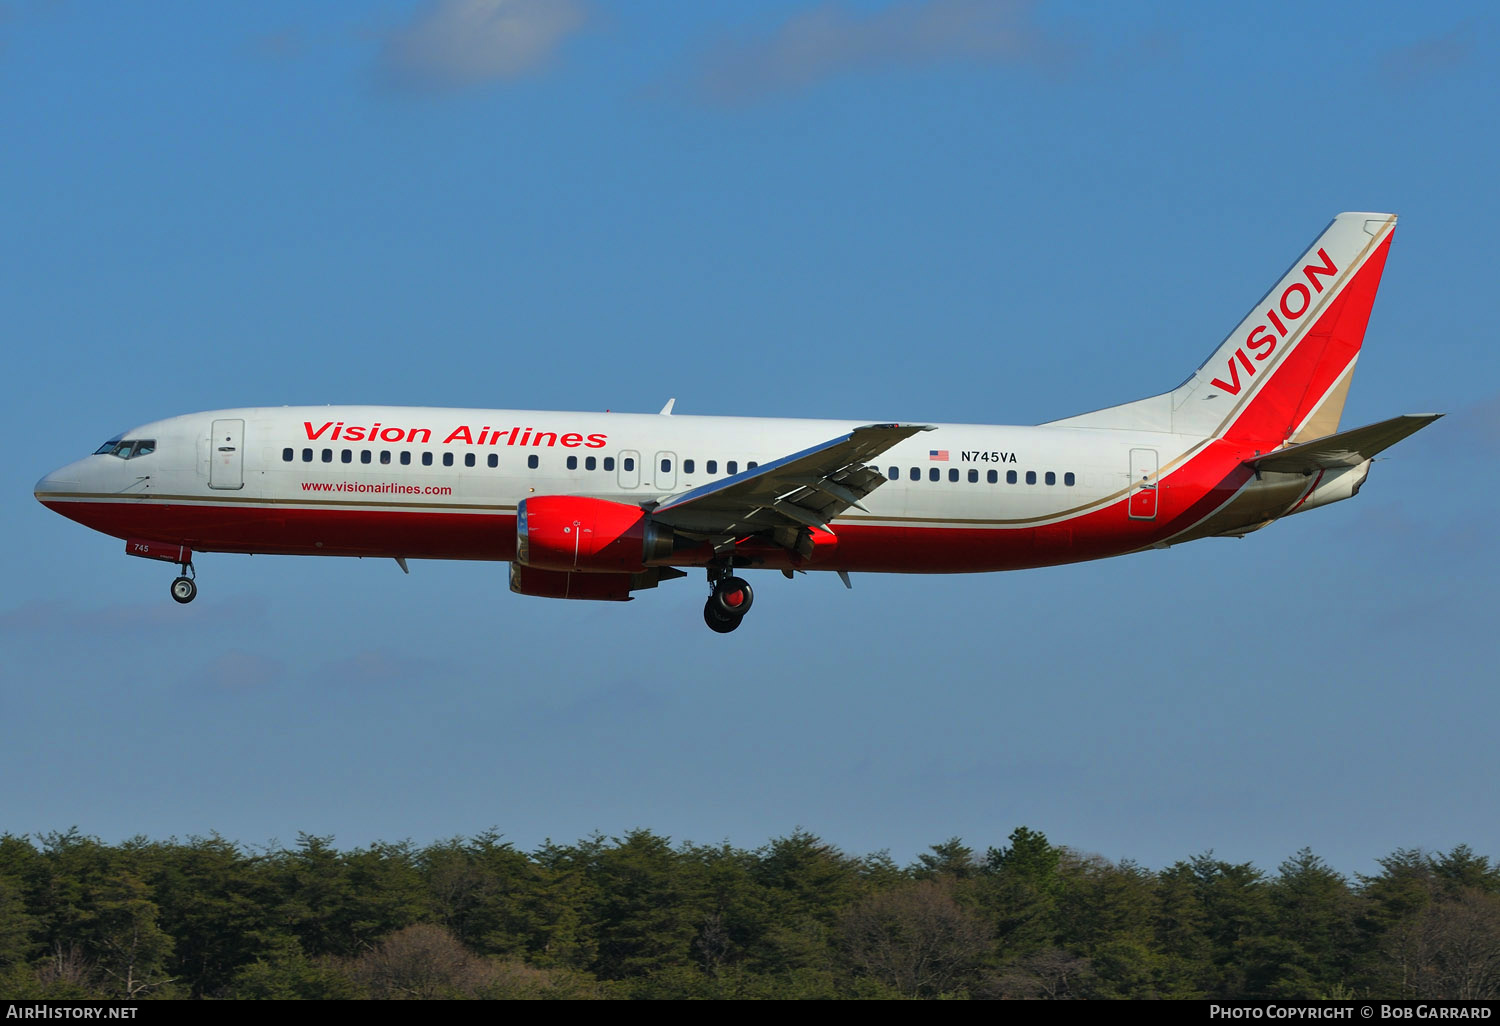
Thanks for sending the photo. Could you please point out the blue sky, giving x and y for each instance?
(953, 211)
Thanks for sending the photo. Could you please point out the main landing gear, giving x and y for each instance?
(729, 600)
(184, 588)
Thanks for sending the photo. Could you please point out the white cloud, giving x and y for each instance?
(1428, 58)
(830, 39)
(454, 43)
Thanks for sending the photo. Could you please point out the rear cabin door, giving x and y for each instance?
(1143, 484)
(226, 455)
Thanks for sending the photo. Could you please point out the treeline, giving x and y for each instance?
(639, 917)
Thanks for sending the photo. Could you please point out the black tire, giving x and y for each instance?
(184, 590)
(733, 596)
(718, 622)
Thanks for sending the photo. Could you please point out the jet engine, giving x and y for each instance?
(573, 533)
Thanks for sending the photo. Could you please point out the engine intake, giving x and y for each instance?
(581, 535)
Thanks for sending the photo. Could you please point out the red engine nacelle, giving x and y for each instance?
(576, 534)
(525, 580)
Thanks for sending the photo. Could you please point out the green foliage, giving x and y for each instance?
(639, 917)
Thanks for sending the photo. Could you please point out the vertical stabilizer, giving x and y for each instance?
(1284, 372)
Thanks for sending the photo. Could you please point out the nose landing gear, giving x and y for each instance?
(184, 588)
(728, 601)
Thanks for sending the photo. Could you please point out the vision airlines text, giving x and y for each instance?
(338, 431)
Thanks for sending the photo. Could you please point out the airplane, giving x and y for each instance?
(598, 506)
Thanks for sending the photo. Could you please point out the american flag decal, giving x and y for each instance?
(941, 455)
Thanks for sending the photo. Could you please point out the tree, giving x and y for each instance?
(1450, 950)
(1461, 870)
(132, 950)
(951, 858)
(1050, 974)
(283, 972)
(915, 939)
(1236, 909)
(422, 962)
(1020, 887)
(219, 904)
(1314, 923)
(737, 915)
(647, 905)
(806, 882)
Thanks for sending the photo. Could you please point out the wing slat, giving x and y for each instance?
(806, 489)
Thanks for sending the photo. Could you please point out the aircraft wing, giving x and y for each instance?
(1343, 449)
(804, 490)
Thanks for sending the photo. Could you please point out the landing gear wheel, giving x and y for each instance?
(732, 597)
(184, 590)
(720, 623)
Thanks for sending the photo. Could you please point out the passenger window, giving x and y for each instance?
(1068, 479)
(687, 466)
(713, 466)
(469, 459)
(533, 461)
(364, 455)
(589, 463)
(406, 457)
(306, 455)
(1010, 477)
(327, 455)
(916, 473)
(893, 473)
(385, 456)
(733, 467)
(447, 459)
(666, 466)
(934, 474)
(973, 477)
(628, 464)
(347, 456)
(493, 461)
(1051, 478)
(953, 474)
(609, 463)
(1031, 477)
(286, 455)
(427, 459)
(993, 477)
(572, 462)
(751, 465)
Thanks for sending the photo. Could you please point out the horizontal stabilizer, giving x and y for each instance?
(1344, 449)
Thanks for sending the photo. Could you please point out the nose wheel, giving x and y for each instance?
(184, 588)
(727, 604)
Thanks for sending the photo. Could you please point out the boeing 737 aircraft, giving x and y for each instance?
(601, 505)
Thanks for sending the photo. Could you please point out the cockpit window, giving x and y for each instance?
(127, 448)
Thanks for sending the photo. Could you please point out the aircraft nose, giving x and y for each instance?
(60, 480)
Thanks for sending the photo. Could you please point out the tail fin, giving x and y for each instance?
(1284, 372)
